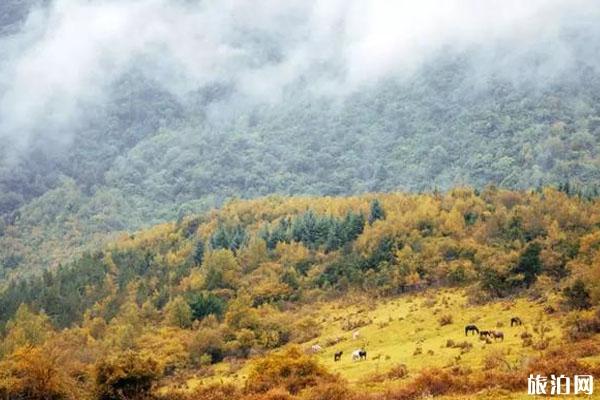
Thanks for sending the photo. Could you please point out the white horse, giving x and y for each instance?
(356, 354)
(315, 348)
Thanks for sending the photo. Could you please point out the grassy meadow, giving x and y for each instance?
(419, 331)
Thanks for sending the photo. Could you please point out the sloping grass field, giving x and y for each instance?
(418, 331)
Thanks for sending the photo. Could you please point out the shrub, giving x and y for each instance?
(205, 305)
(495, 360)
(207, 342)
(583, 327)
(329, 391)
(352, 324)
(464, 345)
(398, 371)
(128, 375)
(292, 370)
(216, 392)
(434, 382)
(445, 319)
(577, 297)
(33, 373)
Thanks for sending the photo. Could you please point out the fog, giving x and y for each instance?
(59, 63)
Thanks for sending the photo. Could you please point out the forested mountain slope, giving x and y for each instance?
(217, 297)
(143, 161)
(513, 116)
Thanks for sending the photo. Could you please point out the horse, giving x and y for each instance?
(497, 335)
(359, 354)
(355, 335)
(471, 328)
(483, 334)
(315, 348)
(338, 355)
(363, 354)
(516, 321)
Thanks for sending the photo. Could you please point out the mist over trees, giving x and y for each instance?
(289, 99)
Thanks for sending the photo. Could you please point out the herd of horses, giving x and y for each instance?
(492, 334)
(361, 354)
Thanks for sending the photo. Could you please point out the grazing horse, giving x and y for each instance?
(516, 321)
(483, 334)
(363, 354)
(316, 348)
(359, 354)
(338, 355)
(497, 335)
(471, 328)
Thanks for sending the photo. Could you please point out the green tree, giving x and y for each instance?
(205, 305)
(199, 253)
(577, 296)
(129, 375)
(24, 329)
(529, 263)
(178, 313)
(376, 211)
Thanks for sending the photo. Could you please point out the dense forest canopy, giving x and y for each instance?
(277, 250)
(90, 149)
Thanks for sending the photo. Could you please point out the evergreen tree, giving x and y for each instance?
(377, 212)
(529, 263)
(205, 305)
(199, 253)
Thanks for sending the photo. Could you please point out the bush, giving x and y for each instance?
(398, 371)
(32, 373)
(328, 391)
(205, 305)
(495, 360)
(126, 376)
(434, 382)
(464, 345)
(292, 370)
(216, 392)
(445, 319)
(577, 296)
(209, 342)
(582, 327)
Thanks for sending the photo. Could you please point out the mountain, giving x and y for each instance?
(147, 141)
(232, 300)
(148, 157)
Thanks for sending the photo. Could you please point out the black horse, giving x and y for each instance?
(483, 334)
(362, 354)
(338, 355)
(516, 321)
(471, 328)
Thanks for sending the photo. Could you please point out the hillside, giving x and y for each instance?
(149, 150)
(236, 296)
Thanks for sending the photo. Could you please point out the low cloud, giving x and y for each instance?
(67, 53)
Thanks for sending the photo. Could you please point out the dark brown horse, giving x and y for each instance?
(497, 335)
(471, 328)
(483, 334)
(338, 355)
(516, 321)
